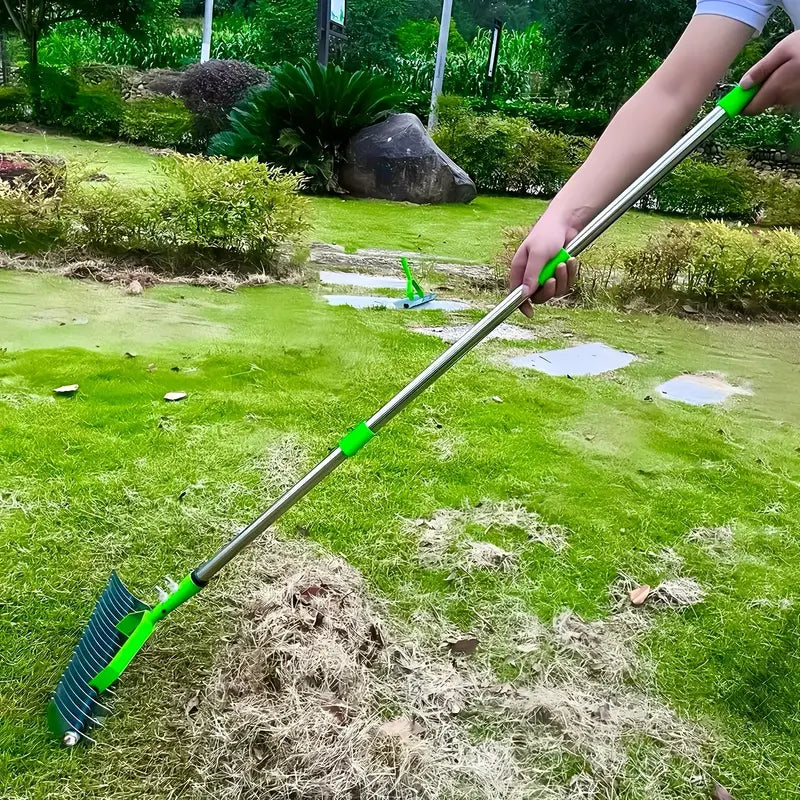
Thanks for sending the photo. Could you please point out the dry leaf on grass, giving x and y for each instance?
(467, 646)
(174, 397)
(721, 793)
(639, 595)
(400, 728)
(66, 391)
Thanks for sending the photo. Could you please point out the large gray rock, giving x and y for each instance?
(397, 160)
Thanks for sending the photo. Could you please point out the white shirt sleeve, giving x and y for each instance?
(754, 13)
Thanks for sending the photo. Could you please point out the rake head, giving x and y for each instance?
(74, 706)
(419, 300)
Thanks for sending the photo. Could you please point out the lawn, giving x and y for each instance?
(115, 478)
(471, 232)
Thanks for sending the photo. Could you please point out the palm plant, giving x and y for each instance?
(305, 118)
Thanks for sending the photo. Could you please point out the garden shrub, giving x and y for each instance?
(212, 89)
(97, 111)
(698, 189)
(15, 103)
(208, 214)
(59, 91)
(305, 118)
(505, 154)
(722, 267)
(158, 122)
(780, 202)
(561, 119)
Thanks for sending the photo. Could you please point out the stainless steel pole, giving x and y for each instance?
(441, 60)
(601, 222)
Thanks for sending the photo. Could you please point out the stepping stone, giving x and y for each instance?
(452, 333)
(699, 390)
(583, 359)
(360, 279)
(364, 301)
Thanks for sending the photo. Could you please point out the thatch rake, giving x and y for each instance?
(121, 623)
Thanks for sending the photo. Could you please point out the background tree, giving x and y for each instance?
(33, 18)
(604, 50)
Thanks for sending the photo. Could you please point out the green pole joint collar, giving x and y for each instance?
(355, 440)
(736, 100)
(549, 269)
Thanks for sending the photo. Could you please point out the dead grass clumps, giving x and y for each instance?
(317, 695)
(445, 540)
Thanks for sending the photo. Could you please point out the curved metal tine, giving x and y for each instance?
(70, 717)
(91, 694)
(73, 692)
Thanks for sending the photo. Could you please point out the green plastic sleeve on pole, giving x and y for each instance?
(139, 627)
(736, 100)
(549, 269)
(355, 440)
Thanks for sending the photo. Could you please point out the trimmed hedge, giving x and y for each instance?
(159, 122)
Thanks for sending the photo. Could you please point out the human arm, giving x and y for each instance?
(644, 128)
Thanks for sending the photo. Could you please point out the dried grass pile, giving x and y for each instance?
(317, 696)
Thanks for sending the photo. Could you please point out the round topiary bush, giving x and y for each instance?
(212, 89)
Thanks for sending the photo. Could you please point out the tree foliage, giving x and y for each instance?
(605, 50)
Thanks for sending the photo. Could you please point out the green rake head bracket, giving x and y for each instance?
(117, 630)
(414, 294)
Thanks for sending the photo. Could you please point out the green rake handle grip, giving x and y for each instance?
(139, 627)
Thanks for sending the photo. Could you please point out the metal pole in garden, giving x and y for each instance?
(494, 56)
(441, 59)
(205, 48)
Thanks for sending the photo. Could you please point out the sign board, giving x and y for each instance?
(338, 12)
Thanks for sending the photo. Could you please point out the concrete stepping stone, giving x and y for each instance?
(593, 358)
(332, 278)
(366, 301)
(452, 333)
(699, 390)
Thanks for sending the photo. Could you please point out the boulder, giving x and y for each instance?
(397, 160)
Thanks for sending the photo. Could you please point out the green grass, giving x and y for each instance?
(130, 165)
(471, 232)
(94, 483)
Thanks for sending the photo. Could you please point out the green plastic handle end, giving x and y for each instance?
(736, 100)
(549, 269)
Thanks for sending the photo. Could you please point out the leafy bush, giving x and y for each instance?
(58, 95)
(97, 111)
(518, 75)
(503, 154)
(561, 119)
(423, 34)
(158, 122)
(15, 103)
(305, 118)
(212, 89)
(780, 202)
(770, 130)
(721, 267)
(708, 190)
(209, 214)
